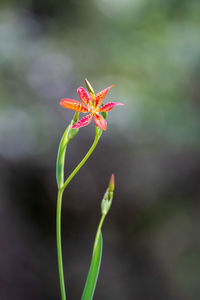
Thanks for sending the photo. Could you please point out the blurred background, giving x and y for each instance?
(150, 50)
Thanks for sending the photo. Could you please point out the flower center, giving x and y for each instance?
(93, 110)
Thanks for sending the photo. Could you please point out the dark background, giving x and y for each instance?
(150, 50)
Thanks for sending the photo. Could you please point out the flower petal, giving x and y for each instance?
(74, 105)
(109, 106)
(83, 122)
(101, 95)
(100, 122)
(84, 96)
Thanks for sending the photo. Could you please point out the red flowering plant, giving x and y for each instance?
(92, 104)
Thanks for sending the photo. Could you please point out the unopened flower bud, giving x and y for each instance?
(111, 186)
(108, 196)
(105, 203)
(89, 87)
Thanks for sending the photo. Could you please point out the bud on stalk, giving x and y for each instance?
(89, 87)
(108, 196)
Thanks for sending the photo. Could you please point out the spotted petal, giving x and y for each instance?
(101, 95)
(100, 122)
(83, 122)
(84, 96)
(74, 105)
(109, 106)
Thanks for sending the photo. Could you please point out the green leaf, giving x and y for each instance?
(61, 157)
(94, 268)
(72, 133)
(67, 136)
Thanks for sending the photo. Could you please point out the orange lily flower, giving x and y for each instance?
(90, 104)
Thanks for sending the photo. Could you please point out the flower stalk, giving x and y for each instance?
(61, 187)
(93, 273)
(97, 137)
(59, 245)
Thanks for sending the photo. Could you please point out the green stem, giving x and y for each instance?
(59, 246)
(99, 230)
(97, 137)
(58, 214)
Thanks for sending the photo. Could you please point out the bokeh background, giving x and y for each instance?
(150, 50)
